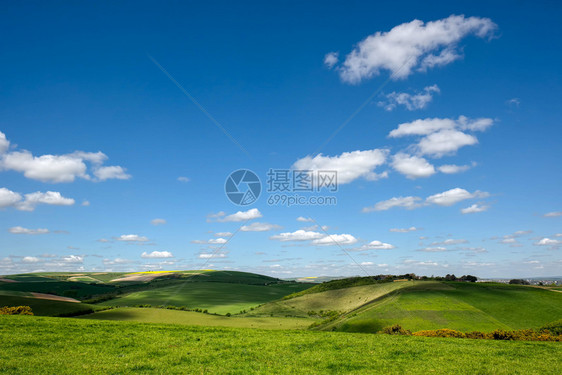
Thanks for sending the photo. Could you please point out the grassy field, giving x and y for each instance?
(216, 297)
(45, 307)
(36, 345)
(459, 306)
(336, 300)
(151, 315)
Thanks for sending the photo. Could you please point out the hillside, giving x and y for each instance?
(455, 305)
(38, 345)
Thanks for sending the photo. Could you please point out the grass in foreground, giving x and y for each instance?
(36, 345)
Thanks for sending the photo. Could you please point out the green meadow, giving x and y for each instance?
(36, 345)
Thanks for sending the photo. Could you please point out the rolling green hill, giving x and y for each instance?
(217, 297)
(36, 345)
(152, 315)
(43, 307)
(455, 305)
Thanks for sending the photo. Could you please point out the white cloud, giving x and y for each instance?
(433, 249)
(57, 168)
(50, 198)
(30, 259)
(508, 240)
(223, 234)
(474, 209)
(212, 255)
(259, 227)
(549, 214)
(404, 230)
(22, 230)
(335, 239)
(450, 241)
(299, 235)
(367, 263)
(212, 241)
(404, 202)
(183, 179)
(85, 203)
(447, 198)
(158, 221)
(349, 165)
(452, 169)
(305, 219)
(111, 172)
(331, 59)
(548, 242)
(376, 245)
(8, 198)
(73, 259)
(450, 197)
(132, 238)
(4, 143)
(253, 213)
(410, 46)
(442, 136)
(157, 254)
(412, 102)
(412, 166)
(445, 142)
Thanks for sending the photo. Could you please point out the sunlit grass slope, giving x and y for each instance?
(35, 345)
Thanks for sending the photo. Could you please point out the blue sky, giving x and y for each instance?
(447, 153)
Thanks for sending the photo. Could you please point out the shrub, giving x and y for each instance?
(478, 335)
(444, 332)
(16, 310)
(554, 328)
(396, 330)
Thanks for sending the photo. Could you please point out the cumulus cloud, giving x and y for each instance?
(412, 166)
(412, 46)
(335, 239)
(331, 59)
(442, 136)
(549, 214)
(474, 209)
(305, 219)
(132, 238)
(211, 255)
(158, 221)
(111, 172)
(446, 198)
(157, 254)
(436, 249)
(450, 197)
(212, 241)
(450, 241)
(4, 143)
(223, 234)
(22, 230)
(58, 168)
(404, 202)
(548, 242)
(72, 259)
(412, 102)
(299, 235)
(452, 168)
(29, 259)
(404, 230)
(253, 213)
(259, 227)
(9, 198)
(349, 165)
(376, 245)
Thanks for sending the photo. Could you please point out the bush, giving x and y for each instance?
(16, 310)
(554, 328)
(396, 330)
(444, 332)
